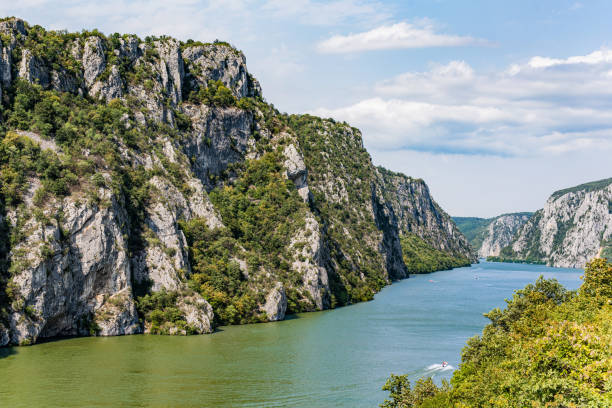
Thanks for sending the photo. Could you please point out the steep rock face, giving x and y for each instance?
(220, 137)
(309, 262)
(171, 69)
(500, 232)
(418, 213)
(78, 265)
(574, 226)
(104, 222)
(387, 221)
(297, 171)
(358, 230)
(112, 88)
(93, 60)
(32, 69)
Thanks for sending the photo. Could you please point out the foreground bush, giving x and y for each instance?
(548, 348)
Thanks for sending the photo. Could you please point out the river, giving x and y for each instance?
(336, 358)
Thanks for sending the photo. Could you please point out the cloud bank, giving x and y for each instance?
(544, 106)
(421, 34)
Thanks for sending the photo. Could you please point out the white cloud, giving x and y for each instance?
(400, 35)
(596, 57)
(546, 106)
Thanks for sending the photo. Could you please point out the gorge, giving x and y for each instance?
(148, 187)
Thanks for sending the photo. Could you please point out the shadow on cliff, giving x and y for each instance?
(4, 268)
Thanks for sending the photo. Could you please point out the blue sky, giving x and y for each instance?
(495, 104)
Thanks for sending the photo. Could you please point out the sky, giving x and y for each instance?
(495, 104)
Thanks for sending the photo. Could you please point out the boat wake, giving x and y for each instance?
(438, 368)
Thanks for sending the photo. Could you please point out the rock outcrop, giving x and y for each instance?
(276, 304)
(574, 226)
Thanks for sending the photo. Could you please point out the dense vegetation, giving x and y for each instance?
(262, 211)
(160, 311)
(473, 228)
(421, 257)
(548, 348)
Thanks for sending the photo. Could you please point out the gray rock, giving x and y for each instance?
(115, 315)
(5, 66)
(59, 292)
(63, 81)
(310, 261)
(222, 63)
(94, 61)
(13, 26)
(164, 261)
(33, 69)
(197, 312)
(220, 136)
(500, 233)
(171, 68)
(129, 47)
(418, 213)
(111, 88)
(296, 170)
(276, 303)
(570, 230)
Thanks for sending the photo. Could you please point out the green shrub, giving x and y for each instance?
(548, 348)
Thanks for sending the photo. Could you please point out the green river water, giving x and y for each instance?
(337, 358)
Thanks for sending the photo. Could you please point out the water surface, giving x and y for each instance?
(337, 358)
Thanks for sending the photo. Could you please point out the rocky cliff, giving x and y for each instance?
(500, 232)
(489, 235)
(574, 226)
(418, 214)
(146, 185)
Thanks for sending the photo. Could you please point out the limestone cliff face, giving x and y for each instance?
(418, 213)
(76, 263)
(574, 226)
(500, 232)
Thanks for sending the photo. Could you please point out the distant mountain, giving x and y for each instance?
(574, 226)
(489, 235)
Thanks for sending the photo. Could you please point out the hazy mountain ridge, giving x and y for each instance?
(146, 185)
